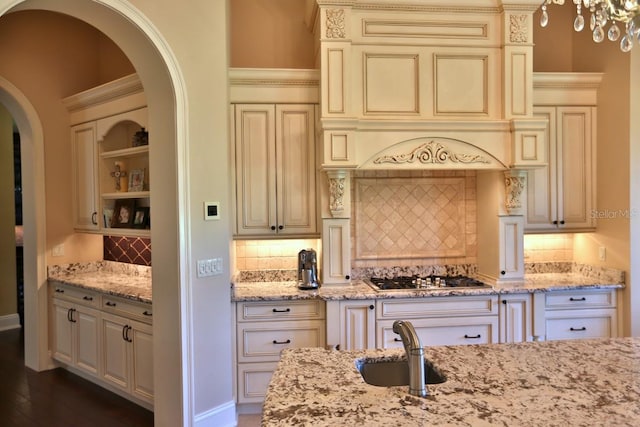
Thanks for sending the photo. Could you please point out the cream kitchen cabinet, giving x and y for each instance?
(561, 196)
(105, 339)
(351, 324)
(581, 314)
(516, 318)
(84, 185)
(109, 138)
(440, 320)
(275, 170)
(336, 262)
(75, 329)
(128, 356)
(263, 330)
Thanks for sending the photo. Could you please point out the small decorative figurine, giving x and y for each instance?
(141, 138)
(120, 176)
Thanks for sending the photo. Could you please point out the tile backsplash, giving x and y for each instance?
(271, 254)
(548, 248)
(405, 218)
(130, 250)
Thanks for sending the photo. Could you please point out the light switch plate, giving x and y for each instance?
(209, 267)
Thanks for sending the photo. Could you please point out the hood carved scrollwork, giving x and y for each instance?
(432, 153)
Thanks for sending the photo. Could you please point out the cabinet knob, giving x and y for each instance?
(371, 307)
(347, 277)
(281, 227)
(273, 228)
(555, 222)
(504, 301)
(562, 222)
(503, 272)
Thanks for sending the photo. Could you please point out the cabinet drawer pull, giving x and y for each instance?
(282, 342)
(147, 313)
(396, 339)
(472, 337)
(70, 315)
(87, 298)
(93, 218)
(110, 304)
(577, 299)
(578, 329)
(286, 310)
(60, 291)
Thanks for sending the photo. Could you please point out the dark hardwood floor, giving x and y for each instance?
(57, 398)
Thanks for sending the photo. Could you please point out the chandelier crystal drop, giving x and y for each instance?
(604, 19)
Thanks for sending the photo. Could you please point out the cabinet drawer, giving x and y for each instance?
(253, 381)
(280, 310)
(580, 299)
(578, 324)
(127, 308)
(263, 342)
(443, 331)
(438, 307)
(75, 294)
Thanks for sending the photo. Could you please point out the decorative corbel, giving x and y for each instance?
(337, 180)
(514, 181)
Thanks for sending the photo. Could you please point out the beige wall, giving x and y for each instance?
(8, 278)
(47, 69)
(270, 34)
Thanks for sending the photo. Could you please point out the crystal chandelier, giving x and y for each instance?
(605, 12)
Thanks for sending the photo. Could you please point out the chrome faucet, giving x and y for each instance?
(415, 356)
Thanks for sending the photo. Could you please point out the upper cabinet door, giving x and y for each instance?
(295, 169)
(84, 183)
(576, 167)
(275, 170)
(255, 169)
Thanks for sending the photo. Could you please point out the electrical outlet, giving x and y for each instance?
(209, 267)
(602, 253)
(58, 250)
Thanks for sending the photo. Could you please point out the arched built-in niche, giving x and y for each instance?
(165, 89)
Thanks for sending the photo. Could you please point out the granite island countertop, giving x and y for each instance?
(113, 278)
(559, 383)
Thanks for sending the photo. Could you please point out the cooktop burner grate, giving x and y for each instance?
(425, 282)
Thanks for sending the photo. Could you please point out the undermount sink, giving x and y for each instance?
(395, 373)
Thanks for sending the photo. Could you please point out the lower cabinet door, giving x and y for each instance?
(114, 346)
(87, 331)
(253, 381)
(142, 361)
(62, 345)
(443, 331)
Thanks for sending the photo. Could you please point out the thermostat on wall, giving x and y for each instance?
(211, 210)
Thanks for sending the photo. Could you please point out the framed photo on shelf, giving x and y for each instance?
(136, 180)
(123, 213)
(108, 217)
(141, 217)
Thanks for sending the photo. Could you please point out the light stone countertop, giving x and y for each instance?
(123, 280)
(358, 289)
(554, 383)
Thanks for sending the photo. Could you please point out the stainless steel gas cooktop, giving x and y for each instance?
(425, 282)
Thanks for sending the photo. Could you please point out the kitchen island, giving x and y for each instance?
(569, 383)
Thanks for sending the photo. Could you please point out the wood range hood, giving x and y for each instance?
(424, 84)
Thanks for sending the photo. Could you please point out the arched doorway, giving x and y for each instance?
(164, 88)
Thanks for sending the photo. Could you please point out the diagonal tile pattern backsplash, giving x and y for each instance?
(423, 216)
(131, 250)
